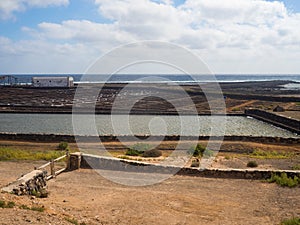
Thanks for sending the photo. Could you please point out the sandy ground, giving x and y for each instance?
(87, 197)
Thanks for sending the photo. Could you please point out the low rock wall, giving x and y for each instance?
(28, 184)
(109, 138)
(106, 163)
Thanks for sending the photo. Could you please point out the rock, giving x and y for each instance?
(28, 184)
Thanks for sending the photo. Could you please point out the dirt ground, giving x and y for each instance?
(262, 94)
(88, 198)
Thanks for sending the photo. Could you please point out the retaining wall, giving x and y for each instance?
(114, 164)
(109, 138)
(277, 120)
(28, 184)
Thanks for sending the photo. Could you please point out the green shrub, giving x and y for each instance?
(271, 154)
(284, 181)
(197, 150)
(72, 220)
(252, 164)
(9, 205)
(63, 146)
(2, 204)
(200, 151)
(138, 149)
(293, 221)
(42, 193)
(24, 207)
(152, 153)
(33, 208)
(38, 209)
(133, 152)
(296, 167)
(236, 109)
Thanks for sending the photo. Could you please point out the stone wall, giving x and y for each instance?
(106, 163)
(31, 183)
(109, 138)
(263, 98)
(277, 120)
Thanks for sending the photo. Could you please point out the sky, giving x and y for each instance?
(230, 36)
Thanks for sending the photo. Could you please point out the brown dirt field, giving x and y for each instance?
(291, 114)
(20, 99)
(87, 197)
(11, 171)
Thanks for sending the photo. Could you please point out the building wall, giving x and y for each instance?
(52, 82)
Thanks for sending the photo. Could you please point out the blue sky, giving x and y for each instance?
(223, 33)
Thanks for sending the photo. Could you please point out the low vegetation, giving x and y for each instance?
(25, 207)
(63, 146)
(252, 164)
(138, 149)
(227, 157)
(144, 150)
(260, 154)
(200, 151)
(293, 221)
(37, 209)
(133, 152)
(152, 153)
(74, 221)
(43, 193)
(8, 205)
(284, 181)
(33, 208)
(197, 151)
(236, 110)
(7, 154)
(296, 167)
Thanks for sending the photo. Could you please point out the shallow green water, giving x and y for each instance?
(138, 124)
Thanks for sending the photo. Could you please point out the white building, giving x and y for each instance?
(52, 81)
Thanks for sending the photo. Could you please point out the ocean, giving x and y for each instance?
(136, 78)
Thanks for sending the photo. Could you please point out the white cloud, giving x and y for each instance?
(145, 19)
(83, 31)
(8, 7)
(231, 35)
(255, 12)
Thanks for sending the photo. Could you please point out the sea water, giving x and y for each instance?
(139, 125)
